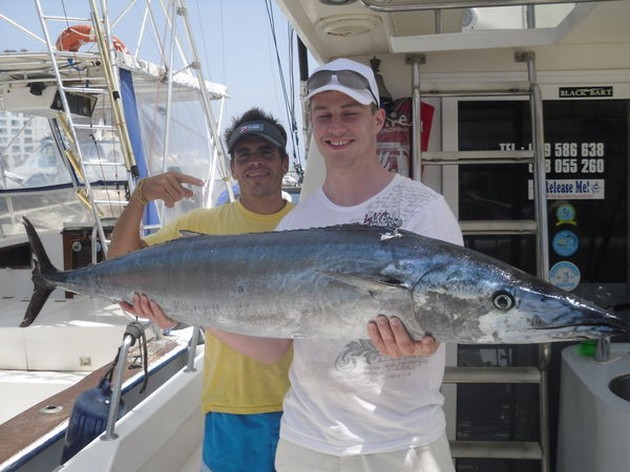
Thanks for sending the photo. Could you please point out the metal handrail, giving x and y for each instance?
(393, 6)
(114, 404)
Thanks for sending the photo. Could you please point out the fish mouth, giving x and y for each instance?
(604, 324)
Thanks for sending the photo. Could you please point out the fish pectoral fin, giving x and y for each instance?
(376, 284)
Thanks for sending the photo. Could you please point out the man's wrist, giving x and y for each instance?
(139, 194)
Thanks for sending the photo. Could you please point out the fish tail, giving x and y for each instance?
(42, 266)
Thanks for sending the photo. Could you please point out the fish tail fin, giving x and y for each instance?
(42, 266)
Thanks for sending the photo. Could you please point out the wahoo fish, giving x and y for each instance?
(329, 282)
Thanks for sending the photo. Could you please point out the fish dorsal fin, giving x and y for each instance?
(185, 233)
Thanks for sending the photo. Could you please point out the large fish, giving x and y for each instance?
(329, 282)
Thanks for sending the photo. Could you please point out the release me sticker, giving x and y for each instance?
(571, 189)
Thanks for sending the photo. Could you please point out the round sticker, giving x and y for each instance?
(564, 275)
(565, 214)
(565, 243)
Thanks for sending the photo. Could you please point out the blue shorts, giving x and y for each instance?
(241, 443)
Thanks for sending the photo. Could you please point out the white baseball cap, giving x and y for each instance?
(346, 76)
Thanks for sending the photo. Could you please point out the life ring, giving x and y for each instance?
(73, 37)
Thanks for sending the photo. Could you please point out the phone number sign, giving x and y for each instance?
(566, 159)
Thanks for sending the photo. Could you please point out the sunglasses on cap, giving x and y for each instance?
(347, 78)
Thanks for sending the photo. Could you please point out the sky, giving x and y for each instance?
(238, 43)
(234, 41)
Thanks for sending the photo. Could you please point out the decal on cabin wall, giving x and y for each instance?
(394, 140)
(586, 162)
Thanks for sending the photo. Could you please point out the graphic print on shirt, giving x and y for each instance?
(361, 355)
(382, 218)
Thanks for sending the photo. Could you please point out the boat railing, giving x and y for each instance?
(135, 333)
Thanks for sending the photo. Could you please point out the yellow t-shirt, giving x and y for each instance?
(233, 383)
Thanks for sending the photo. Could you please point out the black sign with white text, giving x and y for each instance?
(586, 92)
(586, 162)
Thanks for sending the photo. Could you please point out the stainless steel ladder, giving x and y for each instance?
(104, 83)
(68, 130)
(530, 450)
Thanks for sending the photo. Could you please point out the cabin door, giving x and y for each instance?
(587, 154)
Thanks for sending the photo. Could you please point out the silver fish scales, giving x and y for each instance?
(329, 282)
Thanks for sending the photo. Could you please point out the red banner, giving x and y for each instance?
(395, 139)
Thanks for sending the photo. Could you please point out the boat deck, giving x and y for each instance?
(82, 332)
(47, 419)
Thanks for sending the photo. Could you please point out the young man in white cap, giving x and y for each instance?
(241, 397)
(353, 405)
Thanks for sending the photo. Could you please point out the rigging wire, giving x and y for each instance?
(204, 41)
(289, 100)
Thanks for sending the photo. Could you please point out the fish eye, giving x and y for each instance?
(503, 301)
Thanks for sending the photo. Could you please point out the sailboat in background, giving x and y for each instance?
(82, 119)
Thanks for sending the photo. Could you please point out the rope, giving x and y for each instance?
(136, 331)
(289, 100)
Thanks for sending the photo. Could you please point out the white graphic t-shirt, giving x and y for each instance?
(346, 398)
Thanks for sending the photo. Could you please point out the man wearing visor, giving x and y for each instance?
(242, 397)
